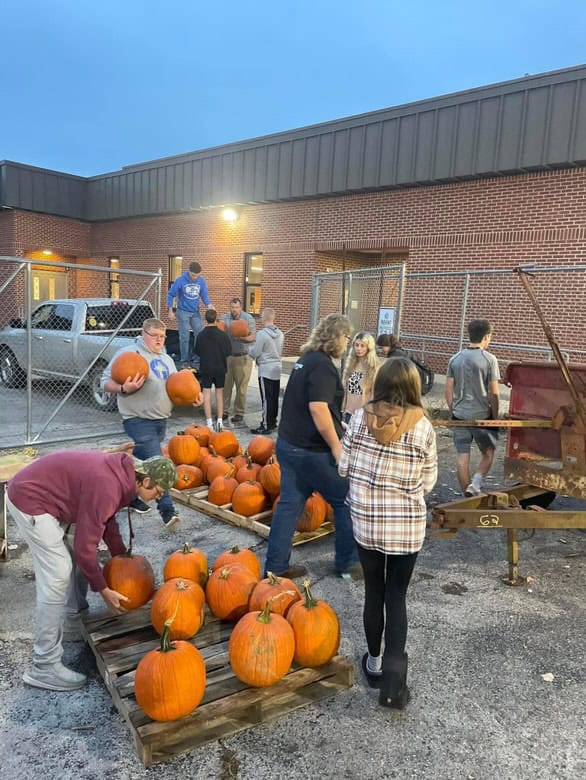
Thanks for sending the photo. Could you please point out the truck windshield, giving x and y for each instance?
(100, 319)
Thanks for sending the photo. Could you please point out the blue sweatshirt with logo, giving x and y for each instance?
(188, 292)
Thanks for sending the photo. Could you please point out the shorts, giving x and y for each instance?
(485, 438)
(207, 380)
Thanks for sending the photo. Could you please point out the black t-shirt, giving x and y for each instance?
(213, 347)
(314, 378)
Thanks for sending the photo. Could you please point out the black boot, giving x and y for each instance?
(394, 692)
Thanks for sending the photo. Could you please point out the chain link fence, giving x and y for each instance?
(55, 343)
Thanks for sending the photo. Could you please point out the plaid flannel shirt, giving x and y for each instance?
(387, 484)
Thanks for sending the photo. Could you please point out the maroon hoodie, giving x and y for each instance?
(86, 488)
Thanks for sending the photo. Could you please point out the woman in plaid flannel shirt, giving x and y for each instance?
(389, 456)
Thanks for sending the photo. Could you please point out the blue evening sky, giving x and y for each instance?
(87, 87)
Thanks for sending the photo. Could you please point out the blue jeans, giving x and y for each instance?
(147, 436)
(186, 321)
(302, 472)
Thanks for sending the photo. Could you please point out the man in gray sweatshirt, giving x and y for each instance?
(267, 351)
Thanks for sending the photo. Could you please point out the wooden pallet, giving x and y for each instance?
(228, 706)
(260, 524)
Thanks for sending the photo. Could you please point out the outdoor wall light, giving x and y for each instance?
(47, 252)
(230, 215)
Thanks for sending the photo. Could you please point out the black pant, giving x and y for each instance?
(269, 396)
(386, 579)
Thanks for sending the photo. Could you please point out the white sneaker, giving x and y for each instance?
(472, 490)
(172, 521)
(54, 678)
(218, 426)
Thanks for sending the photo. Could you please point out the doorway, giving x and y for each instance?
(48, 285)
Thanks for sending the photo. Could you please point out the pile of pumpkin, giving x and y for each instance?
(250, 481)
(275, 624)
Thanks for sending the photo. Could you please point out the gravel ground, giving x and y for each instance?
(478, 651)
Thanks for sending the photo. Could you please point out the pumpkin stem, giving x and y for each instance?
(265, 615)
(225, 573)
(166, 643)
(273, 579)
(235, 550)
(310, 602)
(185, 549)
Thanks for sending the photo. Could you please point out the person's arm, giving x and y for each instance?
(429, 472)
(255, 350)
(493, 398)
(344, 462)
(449, 392)
(204, 294)
(322, 419)
(252, 331)
(173, 291)
(131, 384)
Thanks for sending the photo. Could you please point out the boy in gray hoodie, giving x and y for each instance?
(267, 351)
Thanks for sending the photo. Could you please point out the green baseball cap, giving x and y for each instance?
(161, 470)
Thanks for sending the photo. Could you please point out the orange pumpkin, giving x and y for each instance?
(188, 477)
(228, 591)
(243, 557)
(270, 477)
(248, 499)
(316, 628)
(261, 648)
(221, 489)
(218, 468)
(203, 451)
(184, 601)
(239, 328)
(261, 448)
(183, 388)
(128, 365)
(170, 681)
(211, 457)
(221, 325)
(188, 563)
(132, 576)
(238, 461)
(329, 513)
(225, 443)
(200, 432)
(248, 472)
(314, 513)
(269, 588)
(183, 449)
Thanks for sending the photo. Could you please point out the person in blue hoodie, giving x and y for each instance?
(267, 351)
(190, 288)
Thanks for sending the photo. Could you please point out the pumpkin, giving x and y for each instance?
(218, 467)
(239, 328)
(272, 586)
(211, 457)
(228, 591)
(261, 448)
(225, 443)
(238, 461)
(329, 513)
(248, 472)
(314, 513)
(170, 681)
(316, 628)
(270, 477)
(188, 477)
(221, 325)
(188, 563)
(183, 449)
(128, 365)
(203, 451)
(200, 432)
(132, 576)
(244, 557)
(221, 489)
(184, 600)
(183, 388)
(261, 648)
(248, 499)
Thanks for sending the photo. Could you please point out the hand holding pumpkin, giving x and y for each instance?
(113, 599)
(199, 400)
(132, 384)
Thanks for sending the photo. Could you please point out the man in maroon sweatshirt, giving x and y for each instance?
(87, 489)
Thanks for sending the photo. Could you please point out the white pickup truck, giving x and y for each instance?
(66, 337)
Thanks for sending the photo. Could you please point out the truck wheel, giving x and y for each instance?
(106, 402)
(11, 374)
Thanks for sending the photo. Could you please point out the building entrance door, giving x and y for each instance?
(48, 285)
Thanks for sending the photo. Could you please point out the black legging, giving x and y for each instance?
(386, 579)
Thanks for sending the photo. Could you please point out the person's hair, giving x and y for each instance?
(369, 359)
(478, 329)
(194, 268)
(398, 383)
(236, 299)
(326, 335)
(388, 340)
(153, 322)
(211, 315)
(268, 313)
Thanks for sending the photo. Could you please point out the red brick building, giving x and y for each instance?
(476, 181)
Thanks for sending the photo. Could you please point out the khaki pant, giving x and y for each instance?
(238, 374)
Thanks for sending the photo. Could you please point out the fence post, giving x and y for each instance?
(463, 310)
(28, 302)
(400, 297)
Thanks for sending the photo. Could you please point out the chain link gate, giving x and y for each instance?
(60, 324)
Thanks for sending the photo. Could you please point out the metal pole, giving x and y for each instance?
(28, 295)
(463, 310)
(315, 293)
(400, 296)
(343, 302)
(158, 294)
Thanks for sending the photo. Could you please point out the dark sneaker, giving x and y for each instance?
(138, 505)
(260, 430)
(374, 679)
(170, 522)
(225, 416)
(293, 572)
(237, 418)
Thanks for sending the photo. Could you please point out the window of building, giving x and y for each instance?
(114, 277)
(175, 267)
(253, 269)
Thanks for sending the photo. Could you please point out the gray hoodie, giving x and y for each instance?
(267, 350)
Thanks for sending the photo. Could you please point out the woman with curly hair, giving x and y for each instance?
(308, 448)
(359, 373)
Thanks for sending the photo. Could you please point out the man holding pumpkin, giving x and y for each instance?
(47, 499)
(241, 328)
